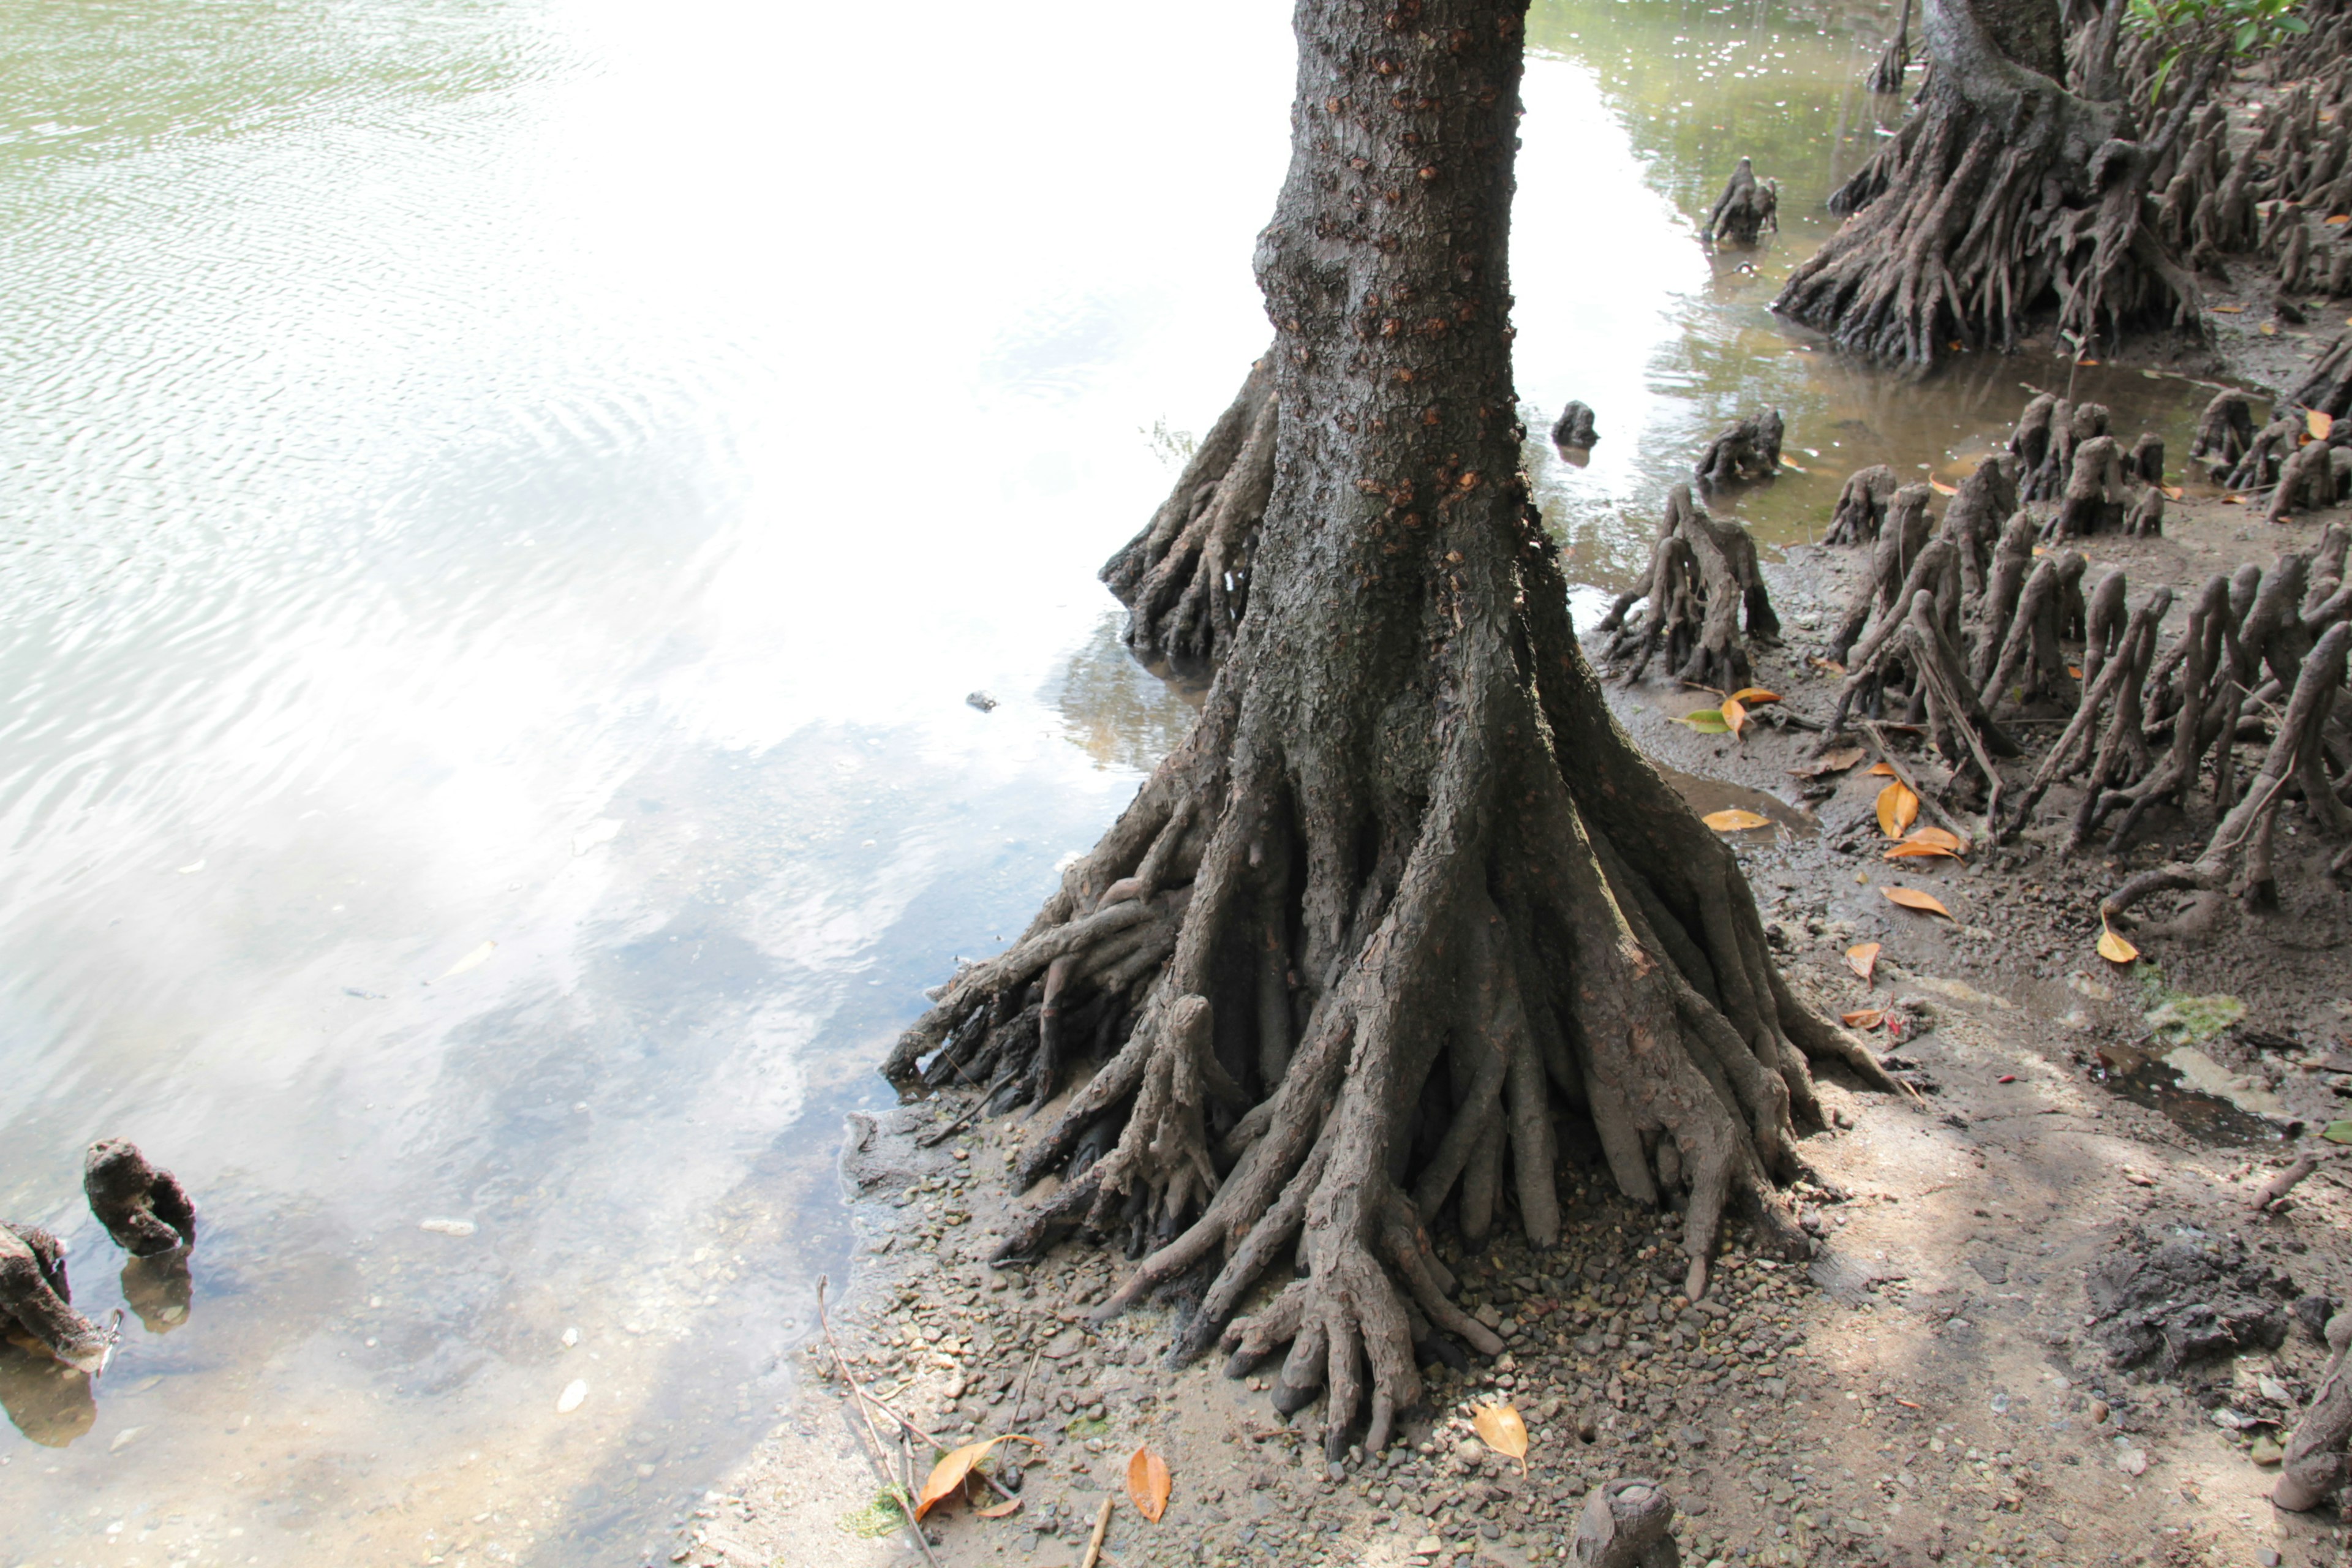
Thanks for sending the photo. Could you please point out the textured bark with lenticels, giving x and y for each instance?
(1416, 885)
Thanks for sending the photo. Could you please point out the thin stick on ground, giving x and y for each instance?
(1095, 1541)
(2285, 1181)
(874, 1451)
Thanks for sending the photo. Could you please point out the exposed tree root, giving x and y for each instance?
(1574, 429)
(1862, 506)
(1745, 210)
(142, 1208)
(2315, 1466)
(2224, 432)
(1705, 594)
(1419, 893)
(1747, 449)
(1625, 1523)
(2238, 857)
(1886, 75)
(2001, 194)
(36, 1298)
(1184, 579)
(1878, 599)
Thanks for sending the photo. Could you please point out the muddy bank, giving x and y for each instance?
(1965, 1373)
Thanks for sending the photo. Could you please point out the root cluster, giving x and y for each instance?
(1953, 628)
(1185, 578)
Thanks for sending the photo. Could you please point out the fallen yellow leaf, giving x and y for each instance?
(1734, 715)
(1913, 899)
(1735, 820)
(954, 1466)
(1000, 1510)
(1147, 1483)
(1503, 1431)
(1940, 488)
(1829, 666)
(1868, 1018)
(2171, 492)
(1863, 960)
(1898, 808)
(1911, 847)
(1755, 695)
(1881, 770)
(1792, 467)
(2338, 217)
(2318, 424)
(2113, 948)
(1940, 837)
(2229, 309)
(2268, 329)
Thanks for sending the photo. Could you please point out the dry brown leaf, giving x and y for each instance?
(1881, 770)
(1940, 837)
(955, 1465)
(1940, 488)
(1146, 1483)
(2268, 329)
(1863, 960)
(1835, 761)
(1867, 1018)
(2318, 424)
(1898, 808)
(1911, 847)
(1000, 1509)
(1830, 666)
(1755, 695)
(2113, 948)
(1503, 1431)
(2075, 670)
(1735, 820)
(1913, 899)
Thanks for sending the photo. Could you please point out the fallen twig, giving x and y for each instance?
(904, 1494)
(1102, 1527)
(2279, 1186)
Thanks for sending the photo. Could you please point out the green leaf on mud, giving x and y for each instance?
(1707, 720)
(2182, 1020)
(2337, 1132)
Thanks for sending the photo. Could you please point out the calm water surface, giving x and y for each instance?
(503, 504)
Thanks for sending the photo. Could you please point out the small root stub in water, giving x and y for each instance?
(1574, 427)
(1749, 449)
(35, 1297)
(142, 1208)
(1745, 210)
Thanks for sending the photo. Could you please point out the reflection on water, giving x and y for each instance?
(504, 506)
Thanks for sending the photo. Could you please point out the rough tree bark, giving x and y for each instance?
(1414, 881)
(2003, 194)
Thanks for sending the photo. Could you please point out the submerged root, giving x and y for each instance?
(36, 1298)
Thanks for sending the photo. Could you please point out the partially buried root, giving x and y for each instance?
(1704, 595)
(1327, 1028)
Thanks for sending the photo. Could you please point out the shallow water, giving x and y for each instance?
(546, 473)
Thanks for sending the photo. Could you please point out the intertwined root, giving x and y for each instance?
(1368, 1016)
(2001, 196)
(1704, 596)
(1185, 578)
